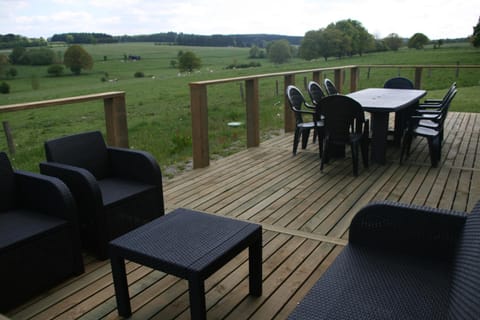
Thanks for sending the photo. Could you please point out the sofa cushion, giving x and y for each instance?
(17, 226)
(371, 284)
(114, 190)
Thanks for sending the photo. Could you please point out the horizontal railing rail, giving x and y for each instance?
(114, 108)
(199, 101)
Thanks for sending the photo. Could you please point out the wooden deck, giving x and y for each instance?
(305, 215)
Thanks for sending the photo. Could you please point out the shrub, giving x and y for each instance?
(11, 72)
(139, 74)
(4, 88)
(38, 57)
(55, 70)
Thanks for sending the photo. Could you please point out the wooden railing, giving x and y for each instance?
(199, 103)
(114, 108)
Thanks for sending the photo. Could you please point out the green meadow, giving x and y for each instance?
(158, 104)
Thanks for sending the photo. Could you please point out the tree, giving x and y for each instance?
(38, 57)
(393, 41)
(188, 61)
(76, 58)
(255, 52)
(418, 40)
(279, 51)
(310, 47)
(3, 64)
(17, 54)
(475, 38)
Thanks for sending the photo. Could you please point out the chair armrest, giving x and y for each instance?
(308, 105)
(48, 195)
(432, 101)
(428, 111)
(81, 183)
(135, 165)
(408, 228)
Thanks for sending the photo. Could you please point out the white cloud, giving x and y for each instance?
(437, 19)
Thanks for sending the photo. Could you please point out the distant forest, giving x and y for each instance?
(173, 38)
(169, 38)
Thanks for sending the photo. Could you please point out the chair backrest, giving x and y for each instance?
(7, 183)
(342, 115)
(465, 290)
(446, 105)
(315, 92)
(452, 88)
(330, 87)
(295, 100)
(399, 83)
(86, 150)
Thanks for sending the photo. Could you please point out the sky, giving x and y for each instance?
(437, 19)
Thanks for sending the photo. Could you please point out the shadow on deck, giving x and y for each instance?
(305, 215)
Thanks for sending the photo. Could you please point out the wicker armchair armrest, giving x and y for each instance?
(135, 165)
(81, 183)
(408, 228)
(48, 195)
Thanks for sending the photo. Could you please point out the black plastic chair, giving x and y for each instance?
(345, 123)
(315, 92)
(302, 129)
(39, 240)
(330, 87)
(401, 117)
(437, 103)
(116, 189)
(399, 83)
(429, 126)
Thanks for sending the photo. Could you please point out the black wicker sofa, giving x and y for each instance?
(402, 262)
(39, 240)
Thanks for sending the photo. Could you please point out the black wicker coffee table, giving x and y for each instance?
(188, 244)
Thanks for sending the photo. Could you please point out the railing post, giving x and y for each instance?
(116, 121)
(253, 123)
(199, 111)
(338, 79)
(288, 116)
(418, 77)
(354, 77)
(317, 76)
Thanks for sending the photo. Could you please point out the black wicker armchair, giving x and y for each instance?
(116, 189)
(39, 241)
(402, 262)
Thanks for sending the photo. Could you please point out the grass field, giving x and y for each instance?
(158, 105)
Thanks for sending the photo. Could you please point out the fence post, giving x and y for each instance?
(8, 135)
(338, 80)
(252, 109)
(199, 111)
(116, 120)
(354, 77)
(418, 77)
(288, 116)
(317, 76)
